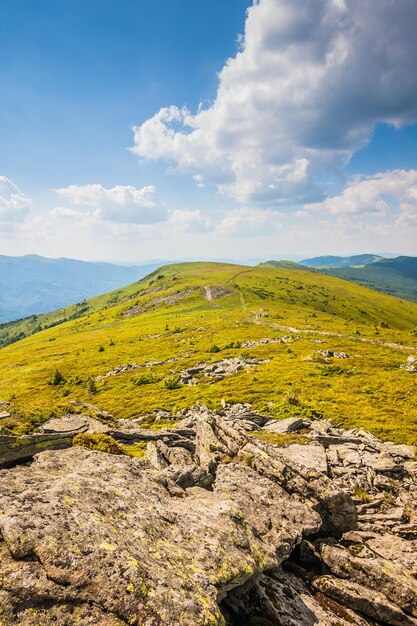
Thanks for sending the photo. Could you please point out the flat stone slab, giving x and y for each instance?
(64, 425)
(74, 423)
(15, 449)
(289, 425)
(310, 456)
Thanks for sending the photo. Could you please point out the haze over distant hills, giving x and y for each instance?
(341, 261)
(395, 276)
(33, 284)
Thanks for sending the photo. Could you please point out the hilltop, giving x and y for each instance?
(284, 263)
(200, 332)
(32, 284)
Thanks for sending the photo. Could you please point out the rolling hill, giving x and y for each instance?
(396, 276)
(292, 342)
(341, 261)
(32, 284)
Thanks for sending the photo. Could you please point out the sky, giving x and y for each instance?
(133, 130)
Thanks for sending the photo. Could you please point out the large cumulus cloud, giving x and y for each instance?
(122, 203)
(310, 81)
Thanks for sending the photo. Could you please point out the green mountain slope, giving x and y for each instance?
(182, 315)
(33, 284)
(341, 261)
(397, 277)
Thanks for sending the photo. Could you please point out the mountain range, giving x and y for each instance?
(33, 284)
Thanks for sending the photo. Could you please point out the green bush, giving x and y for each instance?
(146, 378)
(233, 344)
(172, 382)
(99, 442)
(57, 378)
(213, 349)
(92, 387)
(332, 370)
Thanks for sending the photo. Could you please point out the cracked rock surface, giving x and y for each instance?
(214, 526)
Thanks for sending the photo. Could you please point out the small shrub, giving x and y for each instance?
(362, 495)
(136, 450)
(291, 398)
(233, 344)
(92, 387)
(213, 349)
(332, 370)
(57, 378)
(99, 442)
(172, 382)
(101, 349)
(146, 378)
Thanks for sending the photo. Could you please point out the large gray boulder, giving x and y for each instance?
(86, 529)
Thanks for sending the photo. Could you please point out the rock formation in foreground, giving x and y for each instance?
(214, 526)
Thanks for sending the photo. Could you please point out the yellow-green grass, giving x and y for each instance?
(368, 390)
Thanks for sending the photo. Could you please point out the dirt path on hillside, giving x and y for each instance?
(208, 293)
(325, 333)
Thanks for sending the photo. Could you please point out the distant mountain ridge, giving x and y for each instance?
(32, 284)
(341, 261)
(394, 276)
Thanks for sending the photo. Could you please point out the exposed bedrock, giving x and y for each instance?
(213, 527)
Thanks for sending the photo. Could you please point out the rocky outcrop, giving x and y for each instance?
(216, 525)
(131, 367)
(169, 300)
(55, 434)
(17, 449)
(110, 533)
(218, 370)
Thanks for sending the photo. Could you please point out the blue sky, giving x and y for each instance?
(174, 128)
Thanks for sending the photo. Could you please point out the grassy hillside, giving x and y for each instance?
(184, 314)
(397, 277)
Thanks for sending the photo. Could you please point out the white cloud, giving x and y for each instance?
(303, 93)
(62, 211)
(124, 203)
(382, 194)
(14, 205)
(190, 221)
(249, 222)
